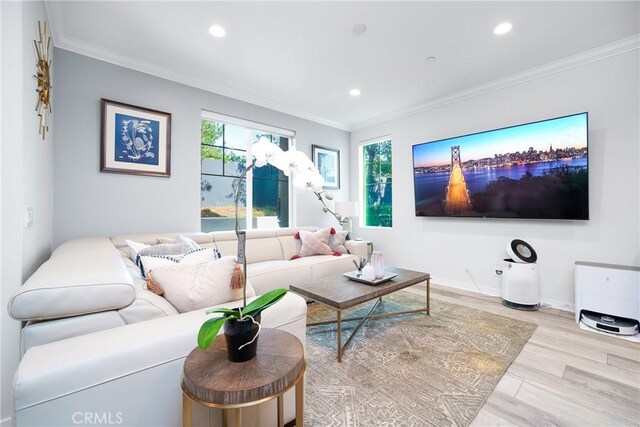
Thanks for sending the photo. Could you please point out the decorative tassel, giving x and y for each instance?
(154, 286)
(237, 277)
(332, 231)
(297, 236)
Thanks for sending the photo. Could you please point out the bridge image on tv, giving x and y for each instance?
(537, 170)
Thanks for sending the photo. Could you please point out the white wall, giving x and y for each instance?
(608, 90)
(92, 203)
(26, 177)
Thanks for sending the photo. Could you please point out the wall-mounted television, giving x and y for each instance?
(535, 170)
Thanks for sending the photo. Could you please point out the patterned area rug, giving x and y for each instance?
(408, 370)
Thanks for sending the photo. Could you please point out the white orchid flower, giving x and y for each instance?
(265, 151)
(308, 180)
(292, 161)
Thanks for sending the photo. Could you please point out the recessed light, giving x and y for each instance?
(217, 31)
(503, 28)
(359, 29)
(354, 92)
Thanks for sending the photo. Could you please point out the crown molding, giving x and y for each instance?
(574, 61)
(61, 41)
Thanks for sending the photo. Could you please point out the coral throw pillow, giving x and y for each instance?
(315, 243)
(337, 242)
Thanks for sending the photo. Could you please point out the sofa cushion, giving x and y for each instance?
(262, 245)
(147, 305)
(191, 287)
(66, 285)
(43, 332)
(269, 275)
(152, 238)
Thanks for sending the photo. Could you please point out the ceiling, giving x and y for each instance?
(302, 58)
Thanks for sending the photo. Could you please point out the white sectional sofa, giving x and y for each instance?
(98, 346)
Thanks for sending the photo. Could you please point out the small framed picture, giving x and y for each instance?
(135, 140)
(327, 160)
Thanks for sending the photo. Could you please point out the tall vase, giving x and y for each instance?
(377, 261)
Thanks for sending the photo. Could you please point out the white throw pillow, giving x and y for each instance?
(191, 287)
(198, 256)
(134, 248)
(179, 239)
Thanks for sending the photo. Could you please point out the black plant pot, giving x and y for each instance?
(237, 333)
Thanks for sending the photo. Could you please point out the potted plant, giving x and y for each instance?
(242, 325)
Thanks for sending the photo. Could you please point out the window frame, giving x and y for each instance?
(361, 182)
(250, 127)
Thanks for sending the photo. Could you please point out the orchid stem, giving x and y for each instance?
(244, 257)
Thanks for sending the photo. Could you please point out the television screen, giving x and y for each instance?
(534, 170)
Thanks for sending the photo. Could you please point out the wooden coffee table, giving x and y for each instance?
(340, 293)
(211, 380)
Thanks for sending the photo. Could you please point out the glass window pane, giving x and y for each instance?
(281, 141)
(235, 162)
(262, 173)
(211, 166)
(217, 196)
(270, 203)
(265, 172)
(223, 159)
(377, 184)
(235, 137)
(210, 133)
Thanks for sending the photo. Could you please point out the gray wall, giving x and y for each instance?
(608, 90)
(90, 203)
(26, 177)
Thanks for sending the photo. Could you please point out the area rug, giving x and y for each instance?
(409, 370)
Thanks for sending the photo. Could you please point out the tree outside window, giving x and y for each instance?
(377, 184)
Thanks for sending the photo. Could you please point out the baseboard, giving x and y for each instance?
(560, 305)
(496, 292)
(483, 290)
(6, 422)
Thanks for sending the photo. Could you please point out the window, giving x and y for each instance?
(264, 195)
(376, 189)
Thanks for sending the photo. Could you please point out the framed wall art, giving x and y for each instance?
(327, 160)
(135, 140)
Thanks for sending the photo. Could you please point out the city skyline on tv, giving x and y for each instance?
(560, 133)
(534, 170)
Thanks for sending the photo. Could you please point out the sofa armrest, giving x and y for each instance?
(359, 248)
(82, 276)
(58, 379)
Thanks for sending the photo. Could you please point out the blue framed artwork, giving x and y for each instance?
(327, 160)
(135, 140)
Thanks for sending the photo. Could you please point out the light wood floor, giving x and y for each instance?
(564, 376)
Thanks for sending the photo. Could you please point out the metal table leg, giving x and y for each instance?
(339, 335)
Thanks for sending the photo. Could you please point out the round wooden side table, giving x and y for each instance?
(211, 380)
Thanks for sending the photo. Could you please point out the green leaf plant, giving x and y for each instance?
(209, 329)
(305, 177)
